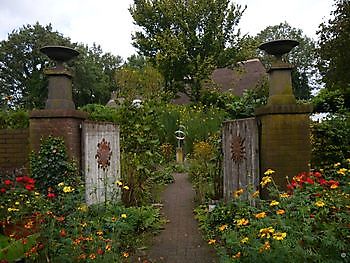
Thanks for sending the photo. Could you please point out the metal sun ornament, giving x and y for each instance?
(237, 148)
(103, 155)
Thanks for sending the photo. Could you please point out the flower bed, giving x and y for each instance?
(309, 223)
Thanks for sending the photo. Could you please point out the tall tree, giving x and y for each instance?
(21, 68)
(303, 57)
(138, 78)
(186, 39)
(334, 51)
(22, 64)
(94, 75)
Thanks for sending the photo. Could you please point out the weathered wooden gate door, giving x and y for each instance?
(101, 161)
(241, 155)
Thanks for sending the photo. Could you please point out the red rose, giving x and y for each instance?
(3, 190)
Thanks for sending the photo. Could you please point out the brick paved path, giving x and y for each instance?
(180, 241)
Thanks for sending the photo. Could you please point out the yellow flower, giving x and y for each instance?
(269, 172)
(284, 195)
(255, 194)
(238, 255)
(99, 232)
(36, 193)
(61, 184)
(333, 186)
(124, 216)
(11, 209)
(279, 235)
(84, 224)
(337, 164)
(17, 203)
(342, 171)
(92, 256)
(211, 241)
(114, 219)
(260, 215)
(320, 203)
(274, 203)
(244, 240)
(238, 192)
(83, 208)
(125, 254)
(223, 227)
(280, 212)
(119, 183)
(126, 187)
(108, 247)
(265, 180)
(68, 189)
(242, 222)
(266, 246)
(266, 232)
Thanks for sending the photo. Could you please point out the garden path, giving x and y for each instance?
(181, 240)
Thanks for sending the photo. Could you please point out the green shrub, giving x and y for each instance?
(51, 166)
(14, 119)
(330, 140)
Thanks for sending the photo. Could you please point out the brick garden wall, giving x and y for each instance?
(14, 149)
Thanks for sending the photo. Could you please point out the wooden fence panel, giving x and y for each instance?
(101, 161)
(241, 156)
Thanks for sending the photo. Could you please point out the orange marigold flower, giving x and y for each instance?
(238, 192)
(92, 256)
(265, 247)
(255, 194)
(280, 212)
(211, 241)
(125, 254)
(266, 232)
(238, 255)
(284, 195)
(223, 227)
(242, 222)
(260, 215)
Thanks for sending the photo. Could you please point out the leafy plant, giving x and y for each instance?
(307, 224)
(50, 166)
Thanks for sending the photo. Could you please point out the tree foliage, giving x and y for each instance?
(22, 82)
(185, 39)
(334, 52)
(138, 78)
(303, 57)
(22, 64)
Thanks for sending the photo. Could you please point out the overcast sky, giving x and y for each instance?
(108, 22)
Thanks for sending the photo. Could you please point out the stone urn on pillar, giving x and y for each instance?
(60, 78)
(59, 118)
(284, 130)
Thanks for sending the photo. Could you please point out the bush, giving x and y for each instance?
(330, 140)
(50, 166)
(14, 119)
